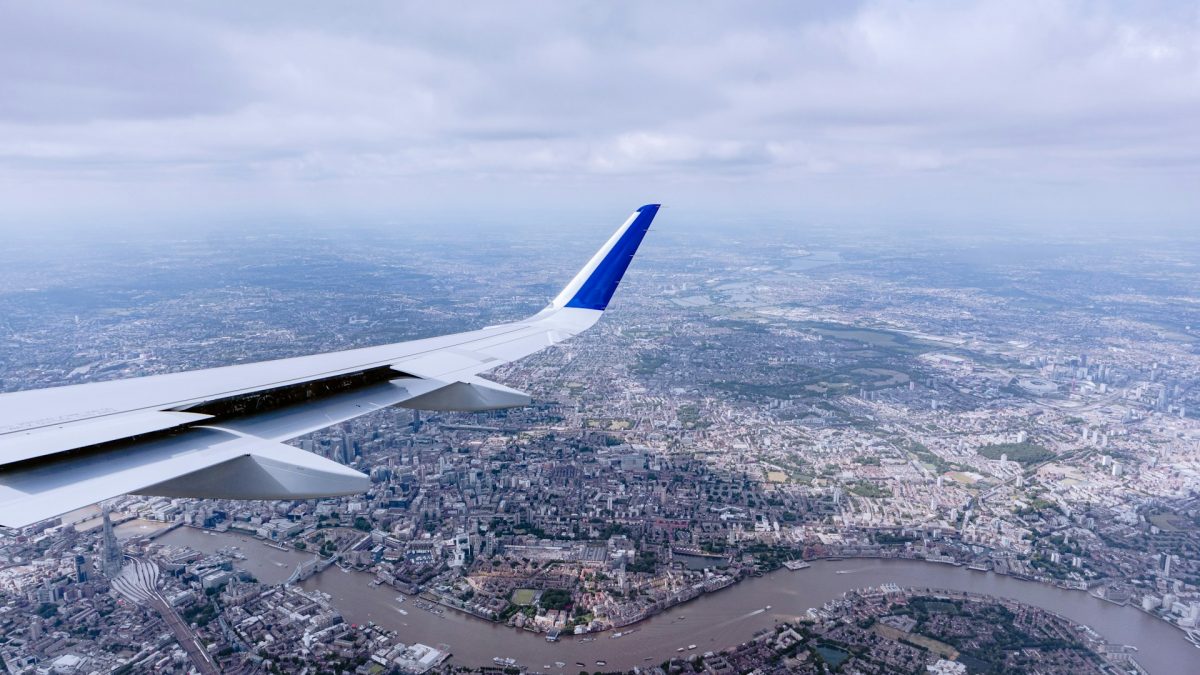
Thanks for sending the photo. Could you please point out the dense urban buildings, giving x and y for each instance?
(756, 400)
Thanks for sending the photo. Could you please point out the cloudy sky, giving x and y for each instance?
(968, 114)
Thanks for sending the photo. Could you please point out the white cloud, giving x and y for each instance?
(199, 106)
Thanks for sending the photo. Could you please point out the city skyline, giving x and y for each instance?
(753, 400)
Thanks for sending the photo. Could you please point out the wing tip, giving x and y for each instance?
(605, 271)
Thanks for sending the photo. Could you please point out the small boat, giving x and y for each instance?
(680, 649)
(768, 607)
(691, 646)
(602, 663)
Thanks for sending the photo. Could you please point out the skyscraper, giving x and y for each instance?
(112, 557)
(81, 569)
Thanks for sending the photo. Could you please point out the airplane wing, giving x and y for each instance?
(219, 432)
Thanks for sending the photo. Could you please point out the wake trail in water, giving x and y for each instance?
(740, 618)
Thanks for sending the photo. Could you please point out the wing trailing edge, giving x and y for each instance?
(204, 462)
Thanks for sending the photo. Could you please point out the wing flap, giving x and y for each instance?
(296, 420)
(20, 446)
(33, 492)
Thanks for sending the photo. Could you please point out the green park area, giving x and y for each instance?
(523, 596)
(555, 598)
(1023, 453)
(878, 339)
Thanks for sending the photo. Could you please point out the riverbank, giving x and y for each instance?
(715, 621)
(712, 621)
(268, 564)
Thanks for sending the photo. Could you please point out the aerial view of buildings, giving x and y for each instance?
(746, 412)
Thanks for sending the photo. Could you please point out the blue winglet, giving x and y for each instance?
(600, 286)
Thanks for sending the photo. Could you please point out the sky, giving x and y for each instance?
(960, 114)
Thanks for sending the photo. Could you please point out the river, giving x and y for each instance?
(711, 622)
(814, 260)
(268, 564)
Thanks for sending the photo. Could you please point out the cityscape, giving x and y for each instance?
(787, 449)
(324, 350)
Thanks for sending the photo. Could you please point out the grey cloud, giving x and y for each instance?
(395, 103)
(71, 63)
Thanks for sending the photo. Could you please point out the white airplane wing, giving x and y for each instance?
(219, 432)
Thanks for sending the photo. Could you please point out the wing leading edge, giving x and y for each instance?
(219, 432)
